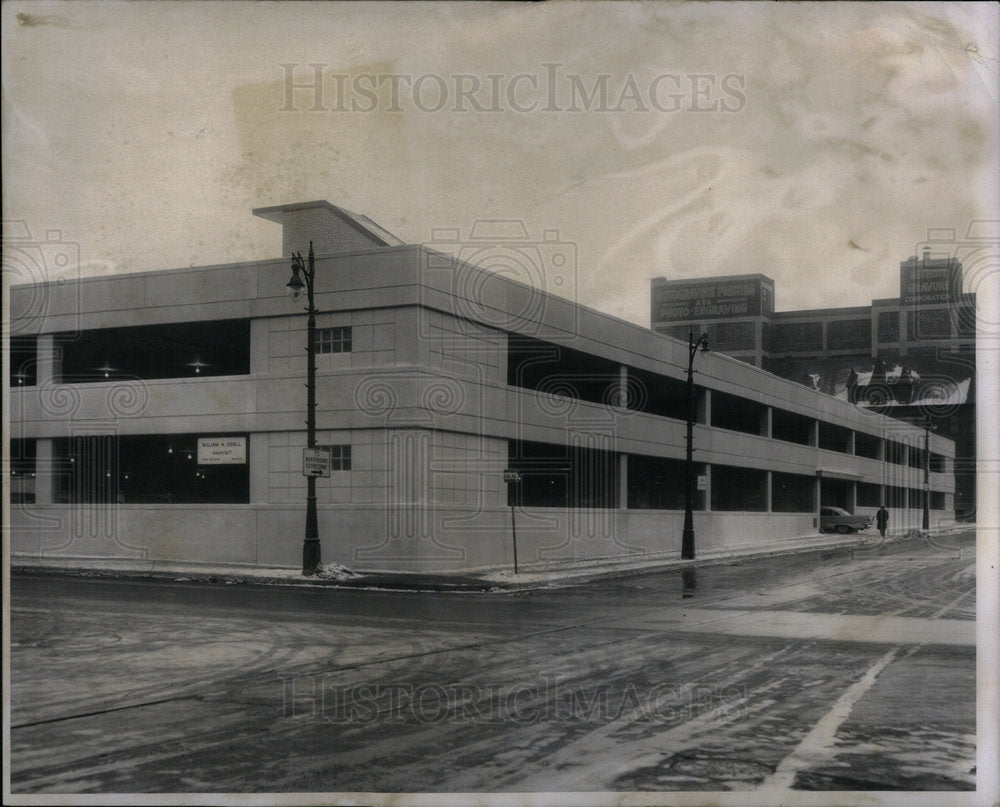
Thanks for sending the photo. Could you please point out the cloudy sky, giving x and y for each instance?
(816, 143)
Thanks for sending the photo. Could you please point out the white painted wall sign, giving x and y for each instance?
(222, 450)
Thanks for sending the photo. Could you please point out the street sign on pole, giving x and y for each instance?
(702, 482)
(315, 462)
(511, 478)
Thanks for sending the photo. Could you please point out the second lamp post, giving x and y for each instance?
(687, 537)
(310, 544)
(929, 426)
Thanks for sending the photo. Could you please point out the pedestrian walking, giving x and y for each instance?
(882, 520)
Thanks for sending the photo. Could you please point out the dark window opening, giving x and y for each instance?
(915, 457)
(851, 334)
(867, 445)
(836, 493)
(739, 488)
(888, 326)
(869, 494)
(931, 323)
(340, 458)
(790, 337)
(939, 464)
(562, 476)
(177, 350)
(660, 395)
(22, 471)
(896, 498)
(148, 469)
(334, 340)
(732, 336)
(560, 370)
(790, 427)
(658, 483)
(735, 413)
(966, 320)
(895, 452)
(23, 361)
(937, 501)
(834, 438)
(793, 493)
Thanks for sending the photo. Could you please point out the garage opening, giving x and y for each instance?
(562, 475)
(177, 350)
(561, 370)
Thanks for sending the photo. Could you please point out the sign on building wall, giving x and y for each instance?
(710, 299)
(928, 282)
(222, 450)
(315, 462)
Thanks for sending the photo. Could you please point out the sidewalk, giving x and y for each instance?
(531, 575)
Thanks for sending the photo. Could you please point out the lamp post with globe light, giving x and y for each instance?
(687, 537)
(302, 277)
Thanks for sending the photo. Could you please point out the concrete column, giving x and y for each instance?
(623, 481)
(257, 456)
(49, 363)
(765, 422)
(708, 488)
(622, 398)
(502, 357)
(409, 340)
(44, 471)
(260, 332)
(767, 492)
(814, 434)
(818, 492)
(852, 498)
(703, 407)
(851, 441)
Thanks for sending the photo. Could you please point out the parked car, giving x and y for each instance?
(836, 519)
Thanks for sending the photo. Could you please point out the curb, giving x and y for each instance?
(459, 583)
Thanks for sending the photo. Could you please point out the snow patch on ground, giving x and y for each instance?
(335, 571)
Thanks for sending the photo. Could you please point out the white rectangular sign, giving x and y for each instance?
(702, 482)
(222, 450)
(315, 462)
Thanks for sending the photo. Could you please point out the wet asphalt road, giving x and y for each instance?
(826, 671)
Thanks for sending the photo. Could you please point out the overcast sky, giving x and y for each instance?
(816, 143)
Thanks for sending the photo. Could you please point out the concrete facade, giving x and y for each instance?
(424, 401)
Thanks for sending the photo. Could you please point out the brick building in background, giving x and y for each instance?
(911, 357)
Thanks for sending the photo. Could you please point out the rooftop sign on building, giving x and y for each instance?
(930, 281)
(719, 298)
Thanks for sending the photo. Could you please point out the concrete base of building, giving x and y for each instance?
(425, 539)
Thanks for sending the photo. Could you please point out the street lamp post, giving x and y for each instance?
(929, 425)
(310, 544)
(687, 537)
